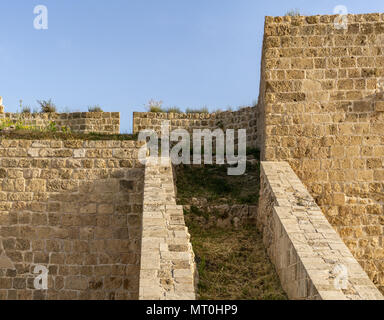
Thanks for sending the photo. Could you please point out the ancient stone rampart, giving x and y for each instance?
(74, 208)
(84, 122)
(321, 109)
(77, 206)
(244, 118)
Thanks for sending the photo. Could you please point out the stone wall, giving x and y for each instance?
(167, 269)
(75, 208)
(244, 118)
(321, 108)
(85, 122)
(308, 254)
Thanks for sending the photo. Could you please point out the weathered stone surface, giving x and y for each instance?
(101, 122)
(309, 256)
(320, 109)
(244, 118)
(62, 211)
(161, 251)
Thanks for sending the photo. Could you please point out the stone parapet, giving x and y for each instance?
(244, 118)
(167, 269)
(84, 122)
(310, 258)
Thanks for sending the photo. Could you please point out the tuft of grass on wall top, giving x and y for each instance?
(26, 110)
(293, 13)
(95, 108)
(47, 106)
(173, 110)
(197, 110)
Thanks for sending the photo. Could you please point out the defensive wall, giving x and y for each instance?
(319, 124)
(321, 109)
(83, 122)
(74, 207)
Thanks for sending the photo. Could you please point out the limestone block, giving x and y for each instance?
(1, 105)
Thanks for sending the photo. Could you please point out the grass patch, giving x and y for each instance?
(18, 125)
(48, 135)
(155, 109)
(11, 129)
(26, 110)
(213, 183)
(233, 264)
(155, 106)
(293, 13)
(95, 108)
(197, 110)
(173, 110)
(47, 106)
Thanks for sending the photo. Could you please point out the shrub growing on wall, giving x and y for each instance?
(155, 106)
(26, 110)
(46, 106)
(200, 110)
(95, 108)
(173, 110)
(293, 13)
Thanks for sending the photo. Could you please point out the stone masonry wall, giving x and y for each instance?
(310, 258)
(75, 208)
(321, 108)
(167, 269)
(85, 122)
(244, 118)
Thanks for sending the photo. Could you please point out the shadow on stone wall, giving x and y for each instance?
(86, 233)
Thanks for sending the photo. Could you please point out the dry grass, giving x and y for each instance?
(197, 110)
(95, 108)
(47, 106)
(48, 135)
(213, 183)
(233, 264)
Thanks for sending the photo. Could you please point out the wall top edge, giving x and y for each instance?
(138, 113)
(59, 113)
(327, 18)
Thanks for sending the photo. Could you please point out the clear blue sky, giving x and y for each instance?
(121, 53)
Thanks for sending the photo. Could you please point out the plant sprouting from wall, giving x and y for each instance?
(47, 106)
(173, 110)
(51, 127)
(7, 123)
(26, 110)
(155, 106)
(293, 13)
(95, 108)
(65, 129)
(197, 110)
